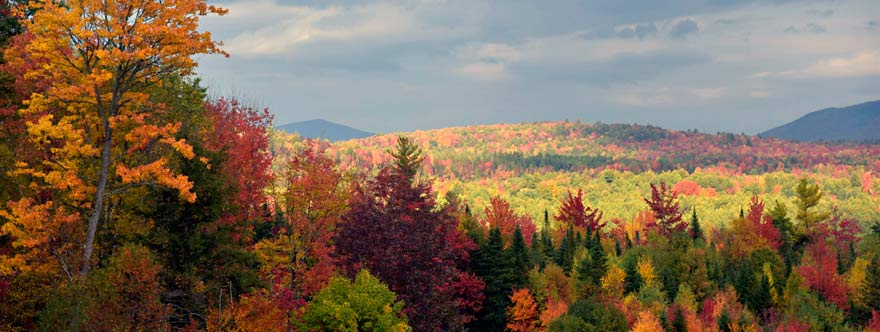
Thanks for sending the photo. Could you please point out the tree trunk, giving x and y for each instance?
(98, 205)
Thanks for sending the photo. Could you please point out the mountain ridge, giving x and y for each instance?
(860, 122)
(320, 128)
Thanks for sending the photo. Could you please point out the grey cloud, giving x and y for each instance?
(807, 28)
(684, 28)
(821, 13)
(726, 21)
(640, 31)
(872, 25)
(621, 68)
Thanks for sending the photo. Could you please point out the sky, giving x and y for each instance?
(387, 66)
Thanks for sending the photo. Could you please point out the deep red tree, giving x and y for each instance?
(664, 204)
(393, 228)
(500, 215)
(763, 223)
(819, 270)
(574, 212)
(241, 133)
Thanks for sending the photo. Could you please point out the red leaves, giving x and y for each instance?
(500, 215)
(763, 224)
(819, 270)
(664, 204)
(523, 312)
(438, 295)
(241, 133)
(574, 212)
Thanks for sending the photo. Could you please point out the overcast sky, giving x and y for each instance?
(384, 66)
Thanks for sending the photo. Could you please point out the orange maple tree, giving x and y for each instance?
(100, 133)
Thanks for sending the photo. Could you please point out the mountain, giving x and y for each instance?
(852, 123)
(324, 129)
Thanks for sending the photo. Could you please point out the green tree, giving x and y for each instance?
(494, 265)
(407, 156)
(871, 285)
(808, 197)
(696, 230)
(363, 305)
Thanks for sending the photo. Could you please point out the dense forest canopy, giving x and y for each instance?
(134, 202)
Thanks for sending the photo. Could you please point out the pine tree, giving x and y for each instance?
(495, 266)
(565, 255)
(678, 323)
(871, 285)
(696, 230)
(808, 197)
(407, 156)
(598, 260)
(519, 257)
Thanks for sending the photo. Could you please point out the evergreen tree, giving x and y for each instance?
(632, 282)
(495, 266)
(407, 156)
(565, 255)
(808, 197)
(519, 257)
(696, 230)
(871, 285)
(678, 322)
(598, 260)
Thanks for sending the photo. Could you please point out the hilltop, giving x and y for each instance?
(319, 128)
(852, 123)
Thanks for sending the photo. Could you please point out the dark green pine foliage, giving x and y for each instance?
(546, 241)
(678, 322)
(617, 250)
(779, 214)
(495, 266)
(519, 256)
(408, 156)
(724, 322)
(598, 260)
(696, 230)
(871, 285)
(565, 255)
(759, 299)
(536, 252)
(633, 281)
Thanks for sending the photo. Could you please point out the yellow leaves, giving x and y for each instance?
(157, 172)
(612, 282)
(646, 270)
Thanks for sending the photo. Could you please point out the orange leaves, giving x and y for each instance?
(157, 172)
(523, 312)
(647, 322)
(34, 225)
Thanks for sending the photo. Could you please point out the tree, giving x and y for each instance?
(871, 285)
(808, 197)
(696, 230)
(95, 119)
(393, 228)
(574, 212)
(647, 322)
(664, 204)
(500, 215)
(496, 266)
(819, 270)
(241, 133)
(408, 156)
(523, 312)
(365, 304)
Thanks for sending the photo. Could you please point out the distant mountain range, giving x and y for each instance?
(852, 123)
(324, 129)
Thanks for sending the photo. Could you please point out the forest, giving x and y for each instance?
(133, 201)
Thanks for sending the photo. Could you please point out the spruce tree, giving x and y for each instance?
(696, 230)
(598, 260)
(519, 257)
(407, 156)
(495, 266)
(871, 285)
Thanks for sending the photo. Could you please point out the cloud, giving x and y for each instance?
(814, 28)
(872, 26)
(821, 13)
(629, 67)
(865, 63)
(663, 96)
(684, 28)
(483, 71)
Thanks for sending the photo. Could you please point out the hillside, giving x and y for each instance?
(532, 165)
(852, 123)
(319, 128)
